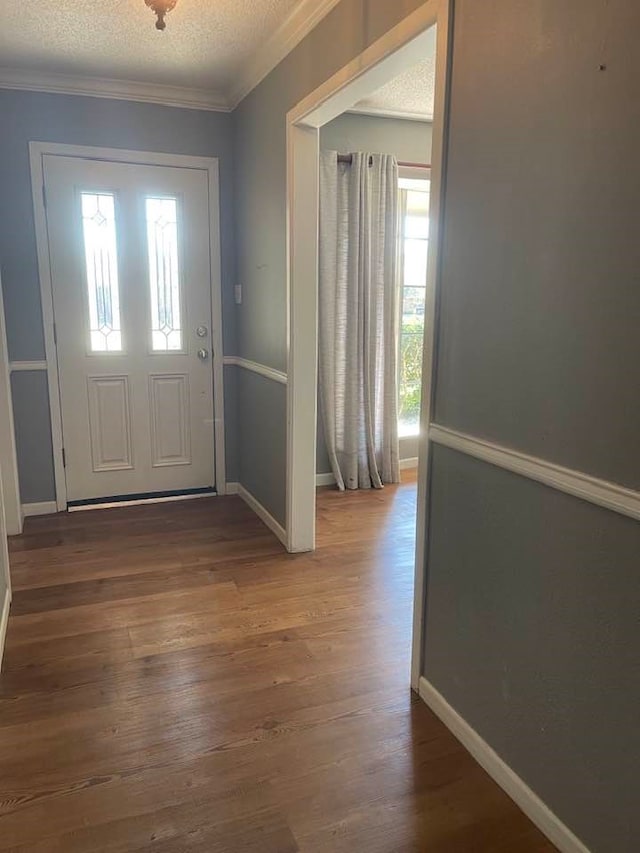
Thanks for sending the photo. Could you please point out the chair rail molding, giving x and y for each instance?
(19, 366)
(256, 367)
(601, 492)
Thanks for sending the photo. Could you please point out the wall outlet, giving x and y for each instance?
(238, 294)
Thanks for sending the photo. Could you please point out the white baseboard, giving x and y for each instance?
(325, 479)
(232, 488)
(500, 772)
(43, 508)
(4, 621)
(329, 479)
(262, 513)
(409, 463)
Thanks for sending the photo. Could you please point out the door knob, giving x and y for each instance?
(203, 354)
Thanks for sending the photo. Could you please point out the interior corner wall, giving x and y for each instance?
(260, 147)
(80, 120)
(533, 596)
(410, 141)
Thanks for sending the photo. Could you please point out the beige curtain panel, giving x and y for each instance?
(358, 315)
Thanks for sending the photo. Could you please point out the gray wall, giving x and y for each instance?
(28, 116)
(533, 596)
(532, 636)
(410, 141)
(260, 124)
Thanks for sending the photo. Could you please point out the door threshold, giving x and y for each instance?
(138, 500)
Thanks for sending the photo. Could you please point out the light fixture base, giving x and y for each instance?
(161, 8)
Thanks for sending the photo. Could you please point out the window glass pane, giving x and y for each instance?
(413, 305)
(417, 215)
(101, 259)
(415, 251)
(415, 263)
(164, 276)
(410, 383)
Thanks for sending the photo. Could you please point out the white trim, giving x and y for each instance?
(325, 479)
(120, 90)
(530, 803)
(437, 177)
(4, 621)
(601, 492)
(233, 488)
(256, 367)
(41, 508)
(328, 479)
(19, 366)
(304, 16)
(411, 462)
(37, 150)
(262, 513)
(10, 486)
(385, 112)
(398, 49)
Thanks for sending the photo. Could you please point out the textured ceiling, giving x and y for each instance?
(204, 46)
(410, 93)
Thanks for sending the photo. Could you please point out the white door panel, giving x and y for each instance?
(129, 254)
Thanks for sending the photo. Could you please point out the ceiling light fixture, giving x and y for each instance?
(161, 7)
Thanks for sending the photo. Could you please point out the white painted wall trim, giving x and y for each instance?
(10, 485)
(380, 112)
(233, 488)
(18, 366)
(120, 90)
(304, 16)
(42, 508)
(256, 367)
(325, 479)
(530, 803)
(412, 462)
(601, 492)
(4, 621)
(262, 513)
(37, 151)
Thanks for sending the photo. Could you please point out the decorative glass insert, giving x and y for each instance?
(164, 274)
(101, 257)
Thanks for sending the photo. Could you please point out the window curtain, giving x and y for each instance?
(358, 318)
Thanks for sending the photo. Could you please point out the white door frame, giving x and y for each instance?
(209, 165)
(399, 49)
(8, 458)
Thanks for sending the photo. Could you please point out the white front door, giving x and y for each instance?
(131, 281)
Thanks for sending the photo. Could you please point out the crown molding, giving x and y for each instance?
(299, 22)
(122, 90)
(374, 112)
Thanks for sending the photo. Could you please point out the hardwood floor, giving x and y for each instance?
(173, 681)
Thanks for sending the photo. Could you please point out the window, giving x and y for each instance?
(164, 274)
(414, 243)
(101, 260)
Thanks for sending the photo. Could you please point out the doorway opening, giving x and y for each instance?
(323, 120)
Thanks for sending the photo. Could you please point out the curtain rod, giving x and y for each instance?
(348, 158)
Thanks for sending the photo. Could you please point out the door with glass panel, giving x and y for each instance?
(131, 281)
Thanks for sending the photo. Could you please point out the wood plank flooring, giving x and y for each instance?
(173, 681)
